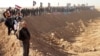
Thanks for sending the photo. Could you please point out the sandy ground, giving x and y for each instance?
(75, 34)
(88, 42)
(98, 8)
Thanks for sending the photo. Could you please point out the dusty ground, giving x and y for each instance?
(98, 8)
(75, 34)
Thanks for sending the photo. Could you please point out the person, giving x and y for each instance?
(9, 21)
(7, 13)
(15, 25)
(19, 16)
(24, 36)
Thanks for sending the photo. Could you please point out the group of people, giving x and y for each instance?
(32, 11)
(15, 22)
(12, 19)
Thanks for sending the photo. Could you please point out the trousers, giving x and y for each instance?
(26, 45)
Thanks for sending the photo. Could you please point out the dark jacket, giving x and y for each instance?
(24, 34)
(9, 22)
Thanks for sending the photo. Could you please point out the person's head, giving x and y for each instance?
(23, 24)
(9, 8)
(8, 13)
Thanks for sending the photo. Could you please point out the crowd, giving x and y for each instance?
(14, 21)
(13, 17)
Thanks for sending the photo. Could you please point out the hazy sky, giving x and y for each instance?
(28, 3)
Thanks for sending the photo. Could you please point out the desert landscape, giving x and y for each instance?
(74, 34)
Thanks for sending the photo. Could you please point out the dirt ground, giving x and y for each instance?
(74, 34)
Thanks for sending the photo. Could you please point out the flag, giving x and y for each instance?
(17, 7)
(34, 3)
